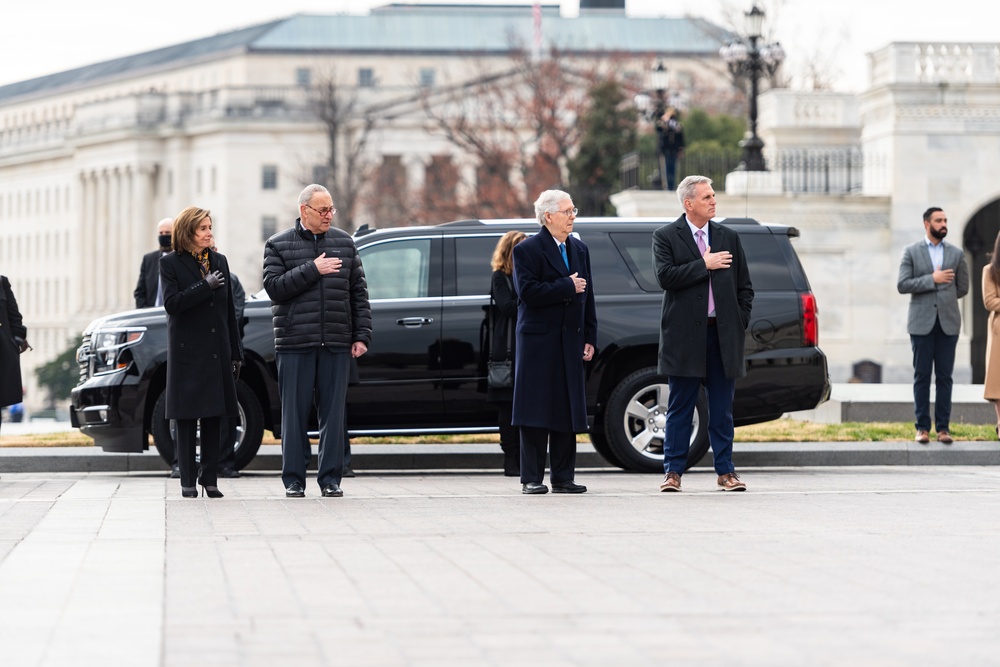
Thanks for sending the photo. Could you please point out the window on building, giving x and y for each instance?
(426, 77)
(197, 179)
(214, 179)
(268, 227)
(269, 177)
(366, 77)
(303, 77)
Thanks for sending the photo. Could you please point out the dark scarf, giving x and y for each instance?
(202, 259)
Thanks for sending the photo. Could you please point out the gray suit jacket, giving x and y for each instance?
(930, 301)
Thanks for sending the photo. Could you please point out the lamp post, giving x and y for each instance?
(747, 58)
(658, 82)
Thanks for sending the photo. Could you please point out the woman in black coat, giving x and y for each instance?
(204, 353)
(502, 346)
(13, 335)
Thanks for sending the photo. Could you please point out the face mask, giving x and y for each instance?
(164, 240)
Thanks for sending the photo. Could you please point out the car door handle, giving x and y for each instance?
(413, 322)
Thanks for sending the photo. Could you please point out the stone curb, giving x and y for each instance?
(384, 458)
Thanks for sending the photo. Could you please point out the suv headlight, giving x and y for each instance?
(108, 345)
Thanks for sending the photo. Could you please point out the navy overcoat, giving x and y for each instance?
(11, 326)
(553, 324)
(683, 276)
(203, 339)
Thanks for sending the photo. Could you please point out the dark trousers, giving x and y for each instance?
(668, 160)
(187, 433)
(680, 411)
(933, 352)
(322, 373)
(562, 450)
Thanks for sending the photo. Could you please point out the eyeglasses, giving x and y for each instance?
(571, 212)
(323, 211)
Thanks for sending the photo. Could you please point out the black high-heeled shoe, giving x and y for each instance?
(211, 491)
(189, 491)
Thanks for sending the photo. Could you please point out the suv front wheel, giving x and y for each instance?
(635, 418)
(249, 429)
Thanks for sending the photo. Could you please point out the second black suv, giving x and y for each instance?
(425, 370)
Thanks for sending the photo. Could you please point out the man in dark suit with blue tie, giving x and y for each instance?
(556, 334)
(707, 299)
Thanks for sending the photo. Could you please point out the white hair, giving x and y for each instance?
(687, 187)
(548, 202)
(307, 193)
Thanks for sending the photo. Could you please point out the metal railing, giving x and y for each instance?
(826, 171)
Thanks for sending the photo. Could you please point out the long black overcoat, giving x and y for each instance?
(553, 324)
(503, 345)
(683, 276)
(202, 339)
(11, 325)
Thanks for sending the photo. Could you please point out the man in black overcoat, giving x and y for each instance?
(707, 298)
(556, 334)
(148, 292)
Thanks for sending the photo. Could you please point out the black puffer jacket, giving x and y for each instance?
(309, 309)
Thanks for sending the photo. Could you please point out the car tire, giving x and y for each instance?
(599, 440)
(250, 429)
(635, 417)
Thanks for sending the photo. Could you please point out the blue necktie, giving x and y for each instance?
(562, 251)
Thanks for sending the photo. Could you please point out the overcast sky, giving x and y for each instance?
(39, 37)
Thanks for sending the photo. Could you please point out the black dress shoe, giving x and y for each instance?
(229, 473)
(189, 491)
(348, 472)
(534, 488)
(568, 487)
(295, 490)
(332, 491)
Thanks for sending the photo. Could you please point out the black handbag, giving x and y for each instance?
(499, 374)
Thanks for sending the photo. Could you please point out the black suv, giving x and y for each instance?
(425, 370)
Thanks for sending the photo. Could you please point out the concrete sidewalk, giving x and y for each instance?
(867, 566)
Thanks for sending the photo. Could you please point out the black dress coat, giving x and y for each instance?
(203, 339)
(502, 342)
(553, 324)
(149, 280)
(11, 326)
(683, 276)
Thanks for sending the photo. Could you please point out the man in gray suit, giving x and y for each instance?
(935, 276)
(707, 301)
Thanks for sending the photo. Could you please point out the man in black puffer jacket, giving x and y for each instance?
(322, 318)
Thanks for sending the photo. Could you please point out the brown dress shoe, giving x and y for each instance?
(944, 438)
(923, 437)
(671, 482)
(731, 482)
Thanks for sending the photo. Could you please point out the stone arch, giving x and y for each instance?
(978, 239)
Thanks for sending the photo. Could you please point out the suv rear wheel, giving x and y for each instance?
(635, 418)
(249, 430)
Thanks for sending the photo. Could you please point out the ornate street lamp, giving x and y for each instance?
(658, 81)
(747, 58)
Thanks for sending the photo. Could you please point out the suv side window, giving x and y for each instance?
(397, 269)
(472, 264)
(636, 249)
(768, 268)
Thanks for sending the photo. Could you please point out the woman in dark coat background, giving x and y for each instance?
(556, 334)
(204, 353)
(13, 341)
(503, 345)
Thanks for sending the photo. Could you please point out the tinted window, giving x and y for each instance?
(472, 264)
(397, 269)
(637, 250)
(768, 270)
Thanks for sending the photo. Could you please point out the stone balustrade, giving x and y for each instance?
(935, 62)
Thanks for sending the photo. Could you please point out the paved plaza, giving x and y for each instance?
(813, 566)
